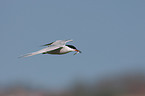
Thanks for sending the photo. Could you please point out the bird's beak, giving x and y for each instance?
(77, 51)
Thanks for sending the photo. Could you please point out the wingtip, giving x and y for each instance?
(69, 40)
(21, 56)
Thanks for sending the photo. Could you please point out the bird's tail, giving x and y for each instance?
(30, 54)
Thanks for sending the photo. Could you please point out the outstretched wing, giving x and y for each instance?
(58, 42)
(48, 44)
(42, 51)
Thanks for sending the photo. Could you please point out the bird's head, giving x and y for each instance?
(74, 48)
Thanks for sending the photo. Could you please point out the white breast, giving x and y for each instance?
(66, 49)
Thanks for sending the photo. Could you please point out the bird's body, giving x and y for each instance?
(59, 51)
(58, 47)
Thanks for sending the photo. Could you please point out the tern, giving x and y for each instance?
(58, 47)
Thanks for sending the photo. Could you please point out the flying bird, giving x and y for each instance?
(58, 47)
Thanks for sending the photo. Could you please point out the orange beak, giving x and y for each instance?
(77, 50)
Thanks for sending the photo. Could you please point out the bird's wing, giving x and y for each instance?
(58, 42)
(42, 51)
(48, 44)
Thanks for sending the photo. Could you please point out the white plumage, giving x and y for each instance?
(57, 47)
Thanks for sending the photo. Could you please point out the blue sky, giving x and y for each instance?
(110, 34)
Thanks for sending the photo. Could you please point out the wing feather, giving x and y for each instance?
(41, 51)
(58, 42)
